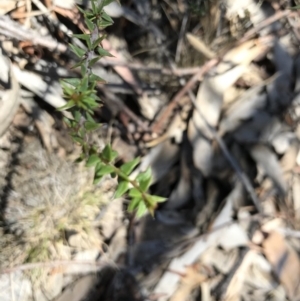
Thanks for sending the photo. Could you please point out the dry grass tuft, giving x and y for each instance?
(50, 200)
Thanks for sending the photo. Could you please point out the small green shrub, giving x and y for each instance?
(82, 100)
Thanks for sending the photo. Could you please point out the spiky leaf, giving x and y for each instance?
(128, 167)
(92, 160)
(81, 36)
(97, 179)
(123, 186)
(71, 81)
(70, 104)
(108, 154)
(134, 204)
(91, 126)
(156, 199)
(144, 179)
(103, 52)
(133, 192)
(77, 50)
(141, 209)
(89, 24)
(105, 170)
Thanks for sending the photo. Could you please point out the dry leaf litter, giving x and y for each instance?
(207, 93)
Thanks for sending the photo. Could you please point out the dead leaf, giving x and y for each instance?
(10, 96)
(43, 121)
(268, 161)
(296, 196)
(199, 45)
(9, 5)
(243, 109)
(210, 97)
(181, 194)
(285, 263)
(78, 290)
(288, 161)
(279, 92)
(191, 279)
(236, 284)
(50, 93)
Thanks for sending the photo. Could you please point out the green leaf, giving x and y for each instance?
(98, 166)
(114, 155)
(91, 126)
(84, 83)
(123, 186)
(133, 192)
(295, 7)
(77, 139)
(108, 154)
(72, 81)
(105, 170)
(68, 105)
(81, 10)
(89, 117)
(77, 64)
(89, 43)
(83, 70)
(68, 90)
(89, 24)
(67, 121)
(78, 51)
(97, 179)
(156, 199)
(90, 102)
(103, 23)
(90, 15)
(134, 204)
(80, 158)
(94, 8)
(107, 18)
(97, 78)
(94, 60)
(128, 167)
(141, 210)
(92, 160)
(103, 52)
(81, 132)
(98, 41)
(106, 2)
(144, 179)
(84, 37)
(77, 115)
